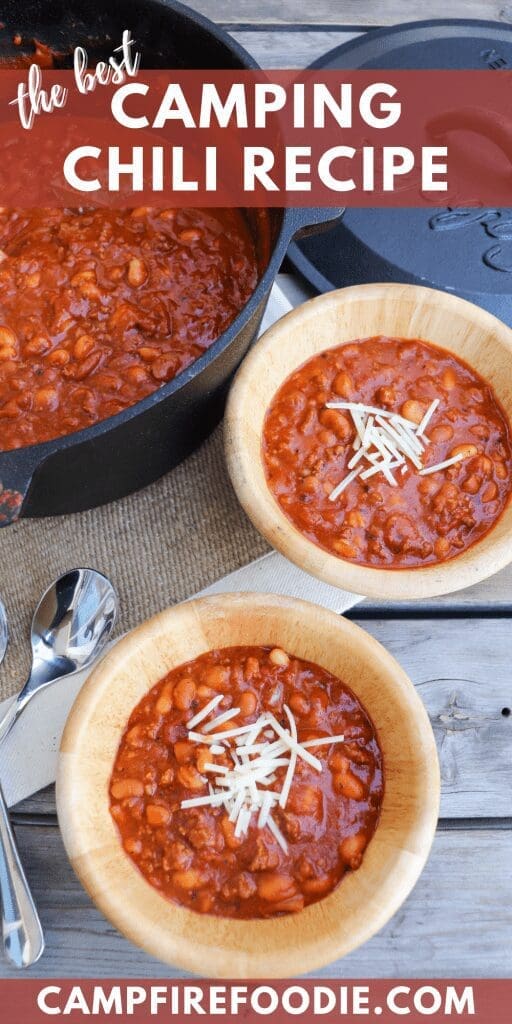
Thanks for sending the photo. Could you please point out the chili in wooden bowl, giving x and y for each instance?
(161, 858)
(368, 437)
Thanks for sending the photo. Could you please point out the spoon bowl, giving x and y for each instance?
(71, 626)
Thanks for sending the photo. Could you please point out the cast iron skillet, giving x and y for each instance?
(130, 450)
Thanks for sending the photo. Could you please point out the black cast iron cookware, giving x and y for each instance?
(130, 450)
(466, 251)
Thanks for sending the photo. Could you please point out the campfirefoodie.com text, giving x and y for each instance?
(265, 1000)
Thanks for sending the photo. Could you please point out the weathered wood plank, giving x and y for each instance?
(286, 49)
(348, 12)
(462, 672)
(455, 923)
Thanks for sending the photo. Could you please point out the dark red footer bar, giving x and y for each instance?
(26, 1001)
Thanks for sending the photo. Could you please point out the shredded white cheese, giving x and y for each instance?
(225, 717)
(204, 712)
(443, 465)
(386, 441)
(240, 787)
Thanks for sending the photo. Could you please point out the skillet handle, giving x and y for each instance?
(493, 126)
(306, 221)
(16, 471)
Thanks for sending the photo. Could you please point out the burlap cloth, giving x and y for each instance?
(158, 546)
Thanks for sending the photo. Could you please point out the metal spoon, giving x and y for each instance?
(69, 631)
(4, 633)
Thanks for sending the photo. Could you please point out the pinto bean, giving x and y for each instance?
(443, 432)
(305, 800)
(203, 757)
(279, 657)
(480, 430)
(442, 547)
(184, 693)
(349, 785)
(46, 398)
(86, 366)
(345, 548)
(37, 346)
(298, 703)
(289, 906)
(317, 886)
(83, 346)
(177, 856)
(189, 879)
(59, 357)
(466, 450)
(385, 396)
(148, 354)
(136, 736)
(124, 788)
(137, 272)
(8, 339)
(352, 848)
(164, 703)
(472, 484)
(355, 518)
(216, 677)
(157, 816)
(137, 375)
(228, 831)
(189, 777)
(139, 212)
(184, 751)
(274, 886)
(449, 378)
(251, 668)
(33, 280)
(338, 422)
(205, 693)
(490, 492)
(342, 385)
(413, 410)
(248, 703)
(133, 846)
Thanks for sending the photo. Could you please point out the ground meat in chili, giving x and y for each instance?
(191, 855)
(98, 308)
(422, 519)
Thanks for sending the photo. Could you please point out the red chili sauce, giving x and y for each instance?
(192, 855)
(99, 308)
(422, 519)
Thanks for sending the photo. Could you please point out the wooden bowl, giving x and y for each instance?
(216, 946)
(405, 311)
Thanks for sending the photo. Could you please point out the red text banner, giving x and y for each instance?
(255, 138)
(143, 1001)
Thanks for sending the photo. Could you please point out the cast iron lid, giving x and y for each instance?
(468, 252)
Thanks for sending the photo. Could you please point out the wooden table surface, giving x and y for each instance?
(457, 650)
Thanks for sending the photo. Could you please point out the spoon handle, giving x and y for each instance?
(23, 939)
(9, 718)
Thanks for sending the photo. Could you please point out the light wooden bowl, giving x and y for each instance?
(216, 946)
(405, 311)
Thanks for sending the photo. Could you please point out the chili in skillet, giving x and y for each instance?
(99, 308)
